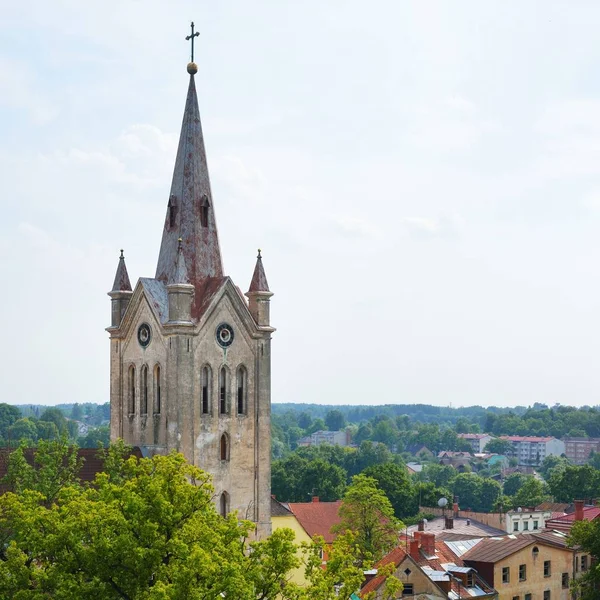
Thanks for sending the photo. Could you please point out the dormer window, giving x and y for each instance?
(204, 206)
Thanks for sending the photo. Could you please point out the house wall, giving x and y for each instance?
(561, 561)
(421, 583)
(297, 574)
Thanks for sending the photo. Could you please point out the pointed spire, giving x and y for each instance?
(190, 211)
(259, 279)
(180, 274)
(122, 283)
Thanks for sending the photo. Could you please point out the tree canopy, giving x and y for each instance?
(147, 529)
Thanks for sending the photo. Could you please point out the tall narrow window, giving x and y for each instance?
(242, 390)
(205, 387)
(144, 390)
(131, 391)
(224, 447)
(224, 504)
(157, 390)
(204, 204)
(172, 211)
(223, 391)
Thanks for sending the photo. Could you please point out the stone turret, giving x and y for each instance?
(259, 295)
(120, 294)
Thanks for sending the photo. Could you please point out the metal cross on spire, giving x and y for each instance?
(191, 37)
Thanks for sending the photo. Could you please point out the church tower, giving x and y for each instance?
(190, 366)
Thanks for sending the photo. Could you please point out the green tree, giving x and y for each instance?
(96, 437)
(23, 430)
(56, 416)
(8, 416)
(76, 412)
(367, 513)
(148, 530)
(587, 535)
(499, 446)
(513, 483)
(490, 492)
(467, 486)
(574, 482)
(397, 486)
(531, 493)
(552, 462)
(335, 420)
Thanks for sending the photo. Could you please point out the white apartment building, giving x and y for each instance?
(531, 450)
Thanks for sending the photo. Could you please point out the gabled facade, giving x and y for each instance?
(537, 566)
(190, 356)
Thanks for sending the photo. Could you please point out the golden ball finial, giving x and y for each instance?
(192, 68)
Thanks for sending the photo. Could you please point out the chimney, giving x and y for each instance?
(417, 535)
(421, 525)
(449, 524)
(414, 549)
(579, 510)
(428, 543)
(315, 498)
(455, 507)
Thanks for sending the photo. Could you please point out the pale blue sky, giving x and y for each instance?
(423, 179)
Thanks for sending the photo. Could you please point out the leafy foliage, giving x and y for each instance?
(146, 530)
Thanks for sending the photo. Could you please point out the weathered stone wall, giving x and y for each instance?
(181, 352)
(497, 520)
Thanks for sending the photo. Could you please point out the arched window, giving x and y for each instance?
(157, 389)
(144, 390)
(224, 504)
(205, 387)
(223, 391)
(224, 447)
(131, 391)
(242, 390)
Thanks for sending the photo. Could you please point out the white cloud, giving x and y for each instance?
(436, 226)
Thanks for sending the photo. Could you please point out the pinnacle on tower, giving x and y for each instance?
(259, 279)
(121, 283)
(180, 274)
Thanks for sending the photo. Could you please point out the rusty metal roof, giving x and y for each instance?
(121, 283)
(190, 210)
(491, 550)
(259, 279)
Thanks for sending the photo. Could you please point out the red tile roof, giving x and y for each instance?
(397, 555)
(565, 522)
(317, 518)
(92, 463)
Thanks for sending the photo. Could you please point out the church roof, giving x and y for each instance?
(190, 211)
(259, 279)
(121, 283)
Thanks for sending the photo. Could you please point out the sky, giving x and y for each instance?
(423, 179)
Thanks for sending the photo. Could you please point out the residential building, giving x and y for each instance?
(459, 460)
(334, 438)
(536, 566)
(578, 449)
(531, 450)
(520, 520)
(478, 441)
(190, 356)
(430, 570)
